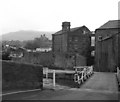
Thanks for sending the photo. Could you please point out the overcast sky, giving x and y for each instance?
(48, 15)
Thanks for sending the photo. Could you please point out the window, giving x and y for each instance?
(75, 47)
(84, 32)
(70, 39)
(76, 39)
(92, 41)
(99, 38)
(93, 53)
(70, 47)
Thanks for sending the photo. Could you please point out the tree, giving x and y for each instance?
(41, 42)
(31, 45)
(5, 56)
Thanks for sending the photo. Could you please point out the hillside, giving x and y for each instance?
(25, 35)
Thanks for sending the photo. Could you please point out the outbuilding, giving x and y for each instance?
(107, 51)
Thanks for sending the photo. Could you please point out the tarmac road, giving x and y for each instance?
(101, 86)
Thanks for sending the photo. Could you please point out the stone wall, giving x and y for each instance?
(40, 58)
(21, 76)
(68, 62)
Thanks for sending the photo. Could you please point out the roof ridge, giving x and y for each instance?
(110, 24)
(71, 29)
(78, 27)
(115, 20)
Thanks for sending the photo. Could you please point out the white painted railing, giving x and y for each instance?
(81, 75)
(118, 71)
(46, 71)
(84, 74)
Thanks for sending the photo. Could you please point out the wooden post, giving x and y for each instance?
(46, 73)
(54, 78)
(82, 76)
(118, 71)
(92, 69)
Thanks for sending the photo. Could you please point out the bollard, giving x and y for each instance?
(54, 78)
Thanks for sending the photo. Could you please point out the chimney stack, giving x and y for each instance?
(65, 26)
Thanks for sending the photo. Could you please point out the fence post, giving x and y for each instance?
(91, 69)
(46, 72)
(117, 71)
(54, 78)
(82, 76)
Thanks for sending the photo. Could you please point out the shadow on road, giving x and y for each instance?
(70, 82)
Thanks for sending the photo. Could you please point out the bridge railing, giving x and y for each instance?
(47, 71)
(79, 75)
(82, 73)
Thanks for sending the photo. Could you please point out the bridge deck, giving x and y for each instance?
(102, 81)
(100, 86)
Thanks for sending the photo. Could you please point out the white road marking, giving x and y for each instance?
(19, 92)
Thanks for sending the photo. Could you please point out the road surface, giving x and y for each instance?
(101, 86)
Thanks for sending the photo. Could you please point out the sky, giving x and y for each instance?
(48, 15)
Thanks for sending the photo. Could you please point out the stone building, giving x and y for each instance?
(71, 46)
(107, 46)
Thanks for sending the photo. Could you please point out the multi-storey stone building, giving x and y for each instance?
(71, 46)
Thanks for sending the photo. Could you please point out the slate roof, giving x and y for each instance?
(71, 30)
(111, 24)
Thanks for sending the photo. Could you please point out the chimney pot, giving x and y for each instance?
(66, 26)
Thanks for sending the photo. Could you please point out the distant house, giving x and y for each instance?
(107, 51)
(16, 52)
(71, 46)
(43, 49)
